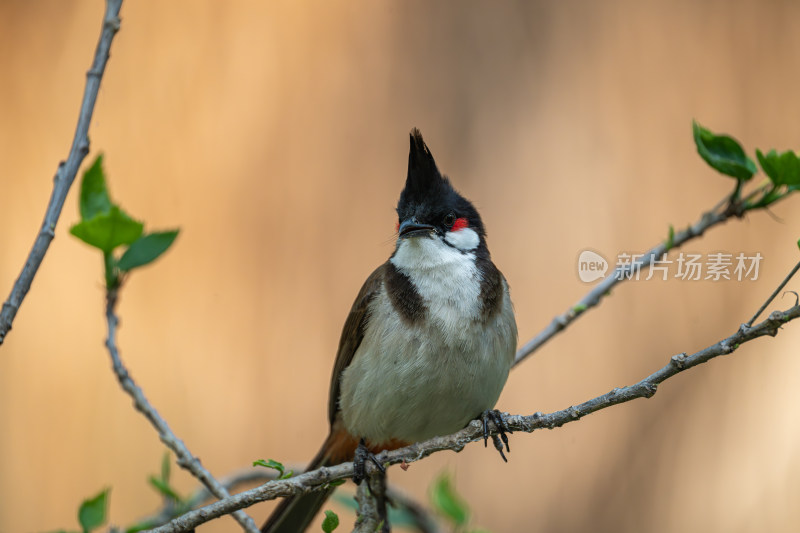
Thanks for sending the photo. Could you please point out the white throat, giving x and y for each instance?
(447, 279)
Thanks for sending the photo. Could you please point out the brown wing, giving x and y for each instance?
(352, 334)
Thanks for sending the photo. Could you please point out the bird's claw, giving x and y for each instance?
(500, 438)
(360, 462)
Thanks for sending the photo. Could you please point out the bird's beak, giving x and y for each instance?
(412, 228)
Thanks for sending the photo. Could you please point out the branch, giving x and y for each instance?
(185, 458)
(66, 172)
(774, 294)
(423, 520)
(593, 298)
(645, 388)
(368, 518)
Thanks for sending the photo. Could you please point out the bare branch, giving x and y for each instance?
(66, 172)
(645, 388)
(774, 294)
(185, 458)
(621, 273)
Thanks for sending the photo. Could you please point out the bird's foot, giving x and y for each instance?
(360, 462)
(500, 438)
(375, 485)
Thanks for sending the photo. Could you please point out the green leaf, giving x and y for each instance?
(92, 512)
(106, 231)
(146, 249)
(670, 238)
(164, 488)
(723, 153)
(142, 526)
(782, 169)
(798, 243)
(165, 467)
(446, 500)
(94, 194)
(275, 465)
(331, 522)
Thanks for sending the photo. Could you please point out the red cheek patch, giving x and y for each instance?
(460, 223)
(397, 227)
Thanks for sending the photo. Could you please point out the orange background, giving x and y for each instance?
(275, 135)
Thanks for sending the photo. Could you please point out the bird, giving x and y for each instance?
(429, 341)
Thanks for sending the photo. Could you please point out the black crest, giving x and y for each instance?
(424, 181)
(428, 195)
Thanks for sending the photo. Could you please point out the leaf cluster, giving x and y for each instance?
(175, 504)
(105, 226)
(724, 154)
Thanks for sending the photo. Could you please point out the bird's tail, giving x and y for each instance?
(295, 513)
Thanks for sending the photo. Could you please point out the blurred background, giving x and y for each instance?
(275, 135)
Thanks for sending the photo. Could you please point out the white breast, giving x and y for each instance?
(413, 382)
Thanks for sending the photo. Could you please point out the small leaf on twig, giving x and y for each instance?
(782, 169)
(723, 153)
(146, 249)
(165, 467)
(275, 465)
(141, 526)
(94, 194)
(92, 512)
(670, 238)
(331, 522)
(163, 487)
(108, 230)
(446, 500)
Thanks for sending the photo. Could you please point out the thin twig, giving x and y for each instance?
(66, 172)
(422, 518)
(622, 273)
(185, 458)
(645, 388)
(774, 294)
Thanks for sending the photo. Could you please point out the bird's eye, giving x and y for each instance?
(449, 219)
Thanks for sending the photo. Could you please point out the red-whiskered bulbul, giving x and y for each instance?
(429, 341)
